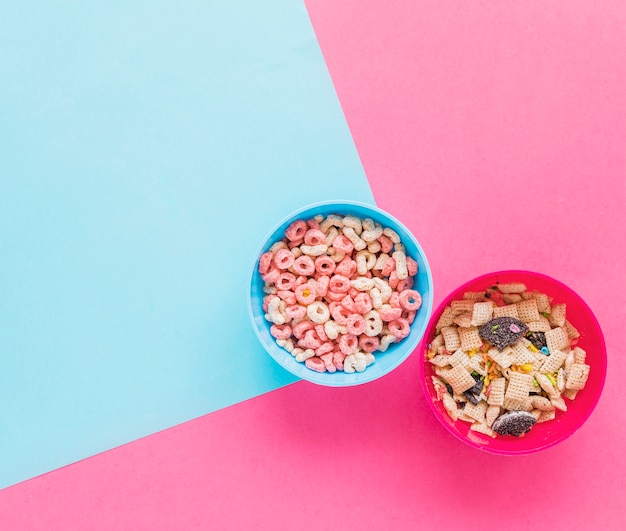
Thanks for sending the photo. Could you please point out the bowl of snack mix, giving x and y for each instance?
(514, 362)
(340, 293)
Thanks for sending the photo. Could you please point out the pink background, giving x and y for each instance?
(477, 122)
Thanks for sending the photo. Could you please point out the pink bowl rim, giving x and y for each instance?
(430, 328)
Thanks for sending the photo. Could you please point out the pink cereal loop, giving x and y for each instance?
(394, 299)
(338, 358)
(328, 362)
(310, 340)
(305, 294)
(388, 313)
(285, 281)
(346, 268)
(295, 311)
(321, 332)
(288, 296)
(339, 284)
(362, 302)
(385, 243)
(348, 303)
(315, 364)
(312, 223)
(410, 299)
(355, 324)
(296, 243)
(321, 285)
(284, 258)
(348, 343)
(368, 344)
(407, 283)
(302, 279)
(325, 348)
(304, 265)
(272, 275)
(280, 331)
(393, 280)
(265, 262)
(342, 244)
(296, 230)
(314, 237)
(411, 266)
(325, 265)
(390, 265)
(266, 301)
(340, 314)
(409, 315)
(334, 296)
(301, 328)
(400, 328)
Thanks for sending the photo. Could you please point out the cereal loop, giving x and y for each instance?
(304, 265)
(325, 265)
(315, 364)
(348, 343)
(305, 294)
(295, 311)
(339, 284)
(318, 312)
(410, 299)
(301, 328)
(363, 302)
(368, 343)
(284, 259)
(265, 262)
(286, 281)
(280, 331)
(355, 324)
(296, 230)
(315, 237)
(399, 328)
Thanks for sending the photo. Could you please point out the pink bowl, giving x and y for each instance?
(545, 434)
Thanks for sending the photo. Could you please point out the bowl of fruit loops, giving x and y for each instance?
(340, 293)
(513, 362)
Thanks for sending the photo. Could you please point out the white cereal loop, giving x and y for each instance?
(332, 220)
(391, 234)
(377, 299)
(287, 344)
(364, 261)
(374, 247)
(305, 355)
(297, 252)
(314, 250)
(381, 260)
(332, 233)
(274, 313)
(333, 329)
(370, 235)
(385, 341)
(278, 245)
(373, 323)
(401, 269)
(357, 242)
(362, 283)
(336, 256)
(318, 312)
(384, 288)
(368, 224)
(354, 223)
(399, 247)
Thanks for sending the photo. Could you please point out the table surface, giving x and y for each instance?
(467, 118)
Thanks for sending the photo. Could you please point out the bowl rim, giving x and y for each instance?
(347, 380)
(602, 352)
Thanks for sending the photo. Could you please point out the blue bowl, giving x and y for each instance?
(385, 361)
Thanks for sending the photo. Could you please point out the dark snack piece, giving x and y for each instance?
(473, 393)
(515, 423)
(503, 331)
(538, 339)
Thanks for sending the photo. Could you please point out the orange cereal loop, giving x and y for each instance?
(304, 265)
(296, 230)
(265, 262)
(314, 237)
(305, 294)
(316, 364)
(325, 265)
(410, 299)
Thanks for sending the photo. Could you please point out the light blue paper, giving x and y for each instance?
(145, 150)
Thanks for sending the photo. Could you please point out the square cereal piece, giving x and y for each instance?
(522, 356)
(553, 362)
(557, 339)
(481, 313)
(482, 427)
(505, 358)
(476, 411)
(547, 415)
(543, 302)
(496, 392)
(512, 287)
(459, 358)
(577, 376)
(477, 296)
(477, 364)
(459, 378)
(436, 342)
(542, 403)
(571, 330)
(508, 310)
(463, 320)
(461, 306)
(470, 338)
(440, 360)
(446, 318)
(492, 413)
(450, 405)
(580, 355)
(511, 404)
(557, 314)
(451, 338)
(512, 298)
(519, 386)
(543, 325)
(570, 394)
(527, 311)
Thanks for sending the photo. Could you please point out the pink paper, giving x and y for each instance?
(495, 131)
